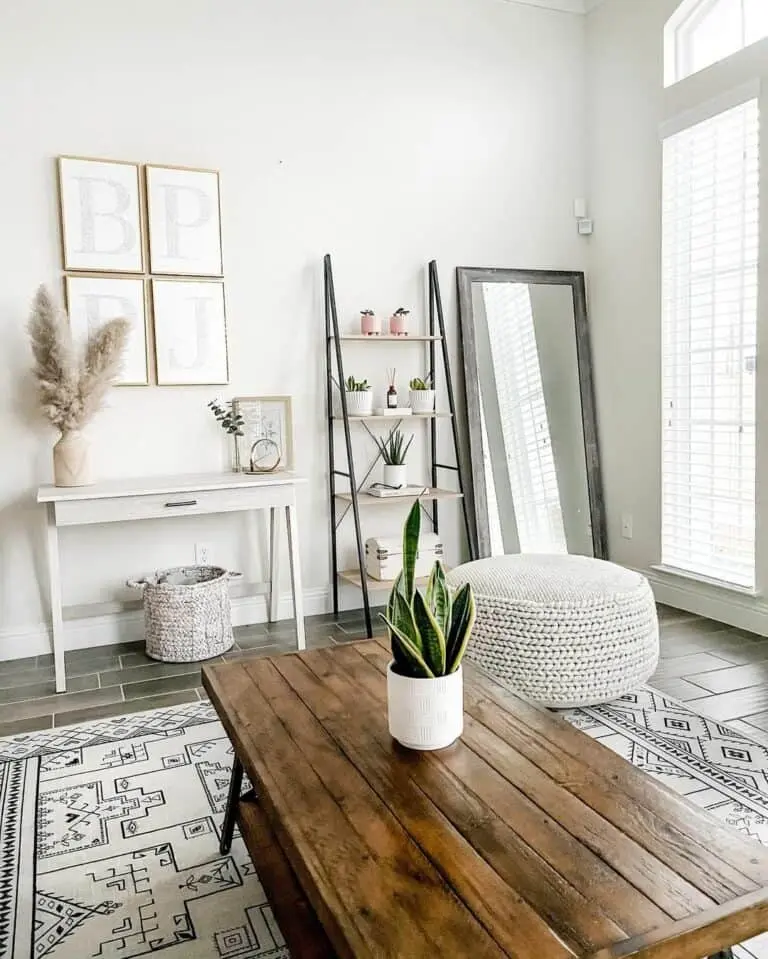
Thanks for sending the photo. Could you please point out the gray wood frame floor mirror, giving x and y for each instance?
(535, 463)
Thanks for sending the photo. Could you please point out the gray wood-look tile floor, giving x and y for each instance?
(721, 671)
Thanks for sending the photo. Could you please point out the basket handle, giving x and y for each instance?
(231, 574)
(136, 583)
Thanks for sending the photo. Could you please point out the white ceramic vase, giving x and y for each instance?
(396, 475)
(360, 402)
(72, 460)
(422, 401)
(425, 714)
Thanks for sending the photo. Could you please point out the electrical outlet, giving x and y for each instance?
(202, 554)
(626, 525)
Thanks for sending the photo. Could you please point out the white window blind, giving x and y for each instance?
(524, 423)
(710, 253)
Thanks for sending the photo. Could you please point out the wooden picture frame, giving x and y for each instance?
(190, 327)
(184, 221)
(269, 417)
(92, 299)
(101, 215)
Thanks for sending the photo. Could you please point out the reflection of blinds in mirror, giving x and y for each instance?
(494, 520)
(523, 413)
(710, 252)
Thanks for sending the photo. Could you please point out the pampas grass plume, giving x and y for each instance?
(71, 389)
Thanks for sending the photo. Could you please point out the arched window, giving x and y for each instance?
(701, 32)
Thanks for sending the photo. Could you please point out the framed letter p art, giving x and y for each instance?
(184, 221)
(100, 215)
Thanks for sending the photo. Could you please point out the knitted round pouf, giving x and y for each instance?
(562, 630)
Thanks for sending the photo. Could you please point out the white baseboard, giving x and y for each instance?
(743, 612)
(128, 626)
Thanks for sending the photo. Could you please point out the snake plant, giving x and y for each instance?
(356, 386)
(429, 633)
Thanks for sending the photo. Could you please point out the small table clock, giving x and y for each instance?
(265, 456)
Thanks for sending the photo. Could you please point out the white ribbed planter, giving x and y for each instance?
(422, 401)
(425, 713)
(360, 402)
(396, 475)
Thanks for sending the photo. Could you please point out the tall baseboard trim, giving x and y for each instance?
(129, 626)
(742, 612)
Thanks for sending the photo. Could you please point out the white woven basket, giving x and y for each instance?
(187, 613)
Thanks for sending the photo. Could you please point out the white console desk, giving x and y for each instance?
(165, 497)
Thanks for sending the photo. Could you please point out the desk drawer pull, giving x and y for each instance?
(183, 502)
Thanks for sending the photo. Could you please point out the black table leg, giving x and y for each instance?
(725, 954)
(228, 826)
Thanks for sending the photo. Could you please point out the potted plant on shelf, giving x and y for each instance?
(370, 324)
(232, 422)
(429, 634)
(359, 397)
(398, 322)
(393, 450)
(422, 396)
(72, 385)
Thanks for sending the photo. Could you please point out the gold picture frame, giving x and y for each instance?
(86, 231)
(172, 324)
(100, 284)
(203, 254)
(260, 423)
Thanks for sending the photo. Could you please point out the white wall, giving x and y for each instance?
(387, 132)
(626, 106)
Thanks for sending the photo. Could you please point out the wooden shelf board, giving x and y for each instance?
(398, 416)
(366, 499)
(388, 339)
(352, 576)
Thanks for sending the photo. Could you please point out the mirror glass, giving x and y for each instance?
(530, 434)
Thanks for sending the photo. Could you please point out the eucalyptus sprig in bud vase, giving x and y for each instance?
(72, 384)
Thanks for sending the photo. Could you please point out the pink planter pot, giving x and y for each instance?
(398, 324)
(370, 325)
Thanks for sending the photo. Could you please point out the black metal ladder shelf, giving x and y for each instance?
(346, 501)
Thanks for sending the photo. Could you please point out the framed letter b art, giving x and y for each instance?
(100, 215)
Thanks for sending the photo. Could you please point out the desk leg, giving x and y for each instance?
(228, 826)
(274, 564)
(725, 954)
(293, 553)
(57, 619)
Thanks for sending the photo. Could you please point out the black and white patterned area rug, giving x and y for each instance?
(109, 836)
(712, 765)
(109, 831)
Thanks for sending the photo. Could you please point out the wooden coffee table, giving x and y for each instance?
(526, 838)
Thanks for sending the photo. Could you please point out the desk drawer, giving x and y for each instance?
(116, 509)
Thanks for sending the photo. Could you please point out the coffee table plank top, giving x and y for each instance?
(526, 838)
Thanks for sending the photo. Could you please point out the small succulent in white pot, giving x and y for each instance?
(393, 451)
(429, 634)
(422, 396)
(359, 397)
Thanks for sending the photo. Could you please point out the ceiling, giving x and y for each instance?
(567, 6)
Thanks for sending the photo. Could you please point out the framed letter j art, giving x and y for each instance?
(190, 333)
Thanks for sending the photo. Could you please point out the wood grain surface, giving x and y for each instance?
(526, 838)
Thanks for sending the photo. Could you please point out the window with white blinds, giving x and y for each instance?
(524, 423)
(710, 254)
